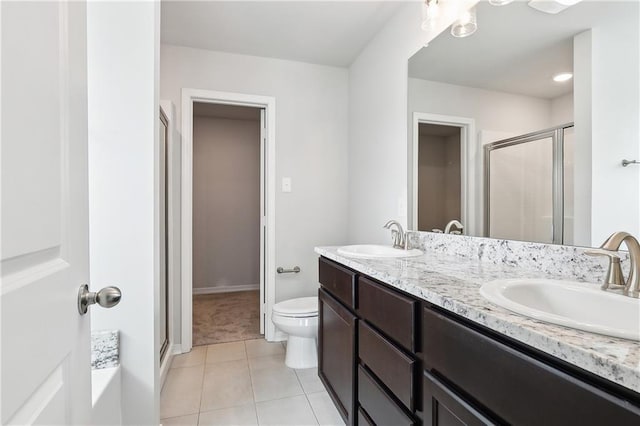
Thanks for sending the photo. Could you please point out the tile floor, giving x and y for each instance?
(243, 383)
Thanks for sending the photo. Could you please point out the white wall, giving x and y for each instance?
(562, 110)
(378, 142)
(311, 145)
(509, 113)
(226, 203)
(123, 190)
(615, 72)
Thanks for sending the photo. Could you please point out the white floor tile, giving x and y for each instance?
(244, 415)
(326, 413)
(309, 380)
(288, 411)
(190, 359)
(223, 352)
(274, 383)
(190, 420)
(266, 362)
(181, 393)
(261, 347)
(226, 384)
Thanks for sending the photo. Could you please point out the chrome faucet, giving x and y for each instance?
(614, 274)
(398, 235)
(447, 229)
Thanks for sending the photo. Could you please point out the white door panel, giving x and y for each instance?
(46, 373)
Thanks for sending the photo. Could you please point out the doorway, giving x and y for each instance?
(438, 176)
(441, 146)
(228, 225)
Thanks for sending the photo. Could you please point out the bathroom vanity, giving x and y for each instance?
(409, 342)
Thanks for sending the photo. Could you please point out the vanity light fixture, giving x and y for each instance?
(466, 24)
(430, 12)
(552, 6)
(499, 2)
(562, 77)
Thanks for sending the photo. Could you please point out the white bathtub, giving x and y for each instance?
(105, 394)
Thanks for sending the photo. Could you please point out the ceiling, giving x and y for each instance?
(233, 112)
(324, 32)
(516, 49)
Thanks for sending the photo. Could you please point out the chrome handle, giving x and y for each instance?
(281, 270)
(108, 297)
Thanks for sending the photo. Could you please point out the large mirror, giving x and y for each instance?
(519, 131)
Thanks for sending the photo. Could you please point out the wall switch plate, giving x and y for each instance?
(286, 184)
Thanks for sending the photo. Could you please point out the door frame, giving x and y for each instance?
(467, 167)
(267, 222)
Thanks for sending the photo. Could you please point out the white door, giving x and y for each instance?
(46, 375)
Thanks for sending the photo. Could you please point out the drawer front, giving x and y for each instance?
(507, 381)
(338, 281)
(443, 407)
(382, 410)
(389, 311)
(392, 366)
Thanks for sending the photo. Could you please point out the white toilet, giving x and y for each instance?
(299, 319)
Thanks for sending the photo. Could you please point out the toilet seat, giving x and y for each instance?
(302, 307)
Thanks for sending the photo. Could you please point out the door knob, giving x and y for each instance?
(108, 297)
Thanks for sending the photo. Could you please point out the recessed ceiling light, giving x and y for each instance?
(563, 76)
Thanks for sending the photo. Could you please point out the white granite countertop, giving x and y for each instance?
(453, 283)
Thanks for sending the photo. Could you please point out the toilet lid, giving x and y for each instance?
(303, 306)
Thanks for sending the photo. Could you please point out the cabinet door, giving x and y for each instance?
(336, 357)
(442, 407)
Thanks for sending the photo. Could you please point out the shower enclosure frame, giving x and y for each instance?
(557, 136)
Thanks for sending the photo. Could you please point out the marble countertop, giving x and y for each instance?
(453, 283)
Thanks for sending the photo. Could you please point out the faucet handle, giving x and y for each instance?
(614, 275)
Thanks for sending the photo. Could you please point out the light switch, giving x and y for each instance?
(286, 184)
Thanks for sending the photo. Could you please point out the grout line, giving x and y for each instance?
(315, 416)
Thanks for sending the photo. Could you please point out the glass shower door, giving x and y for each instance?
(521, 190)
(529, 187)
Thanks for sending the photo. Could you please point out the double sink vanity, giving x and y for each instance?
(464, 330)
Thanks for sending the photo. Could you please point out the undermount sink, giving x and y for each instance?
(571, 304)
(373, 251)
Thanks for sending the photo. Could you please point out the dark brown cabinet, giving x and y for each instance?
(388, 358)
(337, 353)
(442, 407)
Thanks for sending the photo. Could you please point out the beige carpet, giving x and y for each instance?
(226, 317)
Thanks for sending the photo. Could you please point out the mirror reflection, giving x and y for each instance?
(518, 131)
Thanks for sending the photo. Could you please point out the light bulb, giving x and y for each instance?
(466, 24)
(563, 76)
(430, 12)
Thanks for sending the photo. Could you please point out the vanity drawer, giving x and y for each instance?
(391, 365)
(338, 281)
(506, 380)
(381, 409)
(388, 310)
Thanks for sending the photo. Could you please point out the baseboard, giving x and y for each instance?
(177, 349)
(225, 289)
